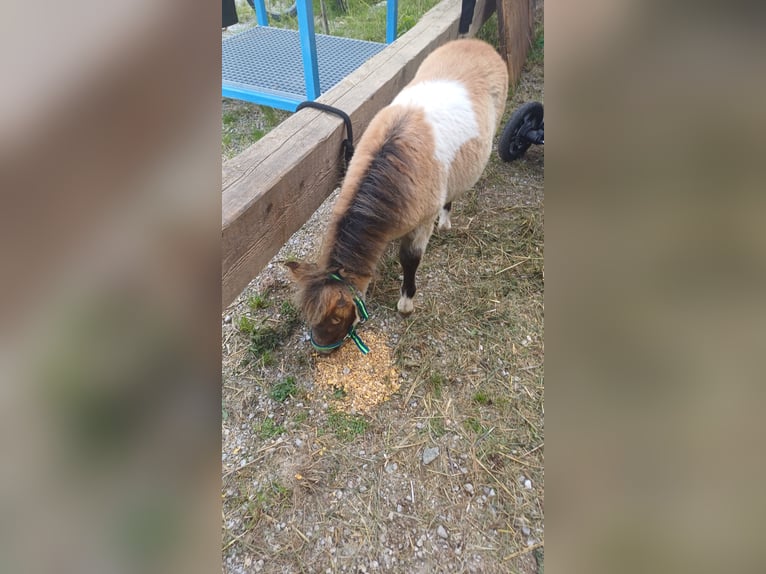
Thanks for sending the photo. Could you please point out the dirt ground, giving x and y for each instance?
(447, 474)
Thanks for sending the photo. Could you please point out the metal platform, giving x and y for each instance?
(263, 65)
(282, 68)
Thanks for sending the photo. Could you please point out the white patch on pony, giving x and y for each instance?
(444, 221)
(449, 110)
(405, 305)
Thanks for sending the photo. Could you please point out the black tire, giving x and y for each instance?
(278, 9)
(512, 144)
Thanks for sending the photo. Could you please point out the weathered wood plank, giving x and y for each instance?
(481, 13)
(515, 20)
(271, 189)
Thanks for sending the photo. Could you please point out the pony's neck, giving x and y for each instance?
(354, 249)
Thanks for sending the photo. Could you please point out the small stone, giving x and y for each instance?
(526, 531)
(346, 370)
(338, 494)
(441, 532)
(391, 467)
(362, 488)
(528, 484)
(227, 319)
(430, 454)
(298, 442)
(468, 487)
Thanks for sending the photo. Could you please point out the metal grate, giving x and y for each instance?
(265, 58)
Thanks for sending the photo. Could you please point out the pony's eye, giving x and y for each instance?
(335, 320)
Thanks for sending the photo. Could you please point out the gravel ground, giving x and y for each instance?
(447, 475)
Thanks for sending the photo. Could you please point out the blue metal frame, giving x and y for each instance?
(261, 15)
(392, 9)
(308, 47)
(285, 101)
(263, 97)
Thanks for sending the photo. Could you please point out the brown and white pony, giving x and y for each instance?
(418, 154)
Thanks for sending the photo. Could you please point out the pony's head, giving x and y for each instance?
(330, 304)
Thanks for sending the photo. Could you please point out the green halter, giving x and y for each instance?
(352, 334)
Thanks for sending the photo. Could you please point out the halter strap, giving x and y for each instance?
(352, 334)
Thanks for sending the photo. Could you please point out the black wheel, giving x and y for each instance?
(527, 118)
(278, 9)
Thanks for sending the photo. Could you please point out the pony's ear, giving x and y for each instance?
(298, 270)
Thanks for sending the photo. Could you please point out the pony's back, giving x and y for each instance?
(462, 88)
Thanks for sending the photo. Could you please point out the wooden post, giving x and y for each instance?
(516, 20)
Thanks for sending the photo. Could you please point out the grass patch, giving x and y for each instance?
(266, 338)
(436, 383)
(345, 426)
(489, 31)
(246, 325)
(284, 389)
(474, 425)
(243, 124)
(267, 428)
(482, 398)
(436, 427)
(288, 310)
(257, 301)
(537, 51)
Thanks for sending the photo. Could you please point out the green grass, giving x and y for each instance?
(284, 389)
(436, 383)
(246, 325)
(474, 425)
(537, 51)
(267, 428)
(345, 426)
(264, 339)
(489, 31)
(436, 426)
(257, 301)
(482, 398)
(288, 310)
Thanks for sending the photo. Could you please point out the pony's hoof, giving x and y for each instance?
(405, 306)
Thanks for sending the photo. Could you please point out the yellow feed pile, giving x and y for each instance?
(367, 380)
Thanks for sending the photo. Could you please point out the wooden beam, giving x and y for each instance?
(516, 21)
(481, 13)
(272, 188)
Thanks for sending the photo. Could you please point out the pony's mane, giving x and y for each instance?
(361, 232)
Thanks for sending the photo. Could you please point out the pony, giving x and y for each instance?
(418, 154)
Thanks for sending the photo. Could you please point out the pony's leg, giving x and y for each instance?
(412, 247)
(444, 221)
